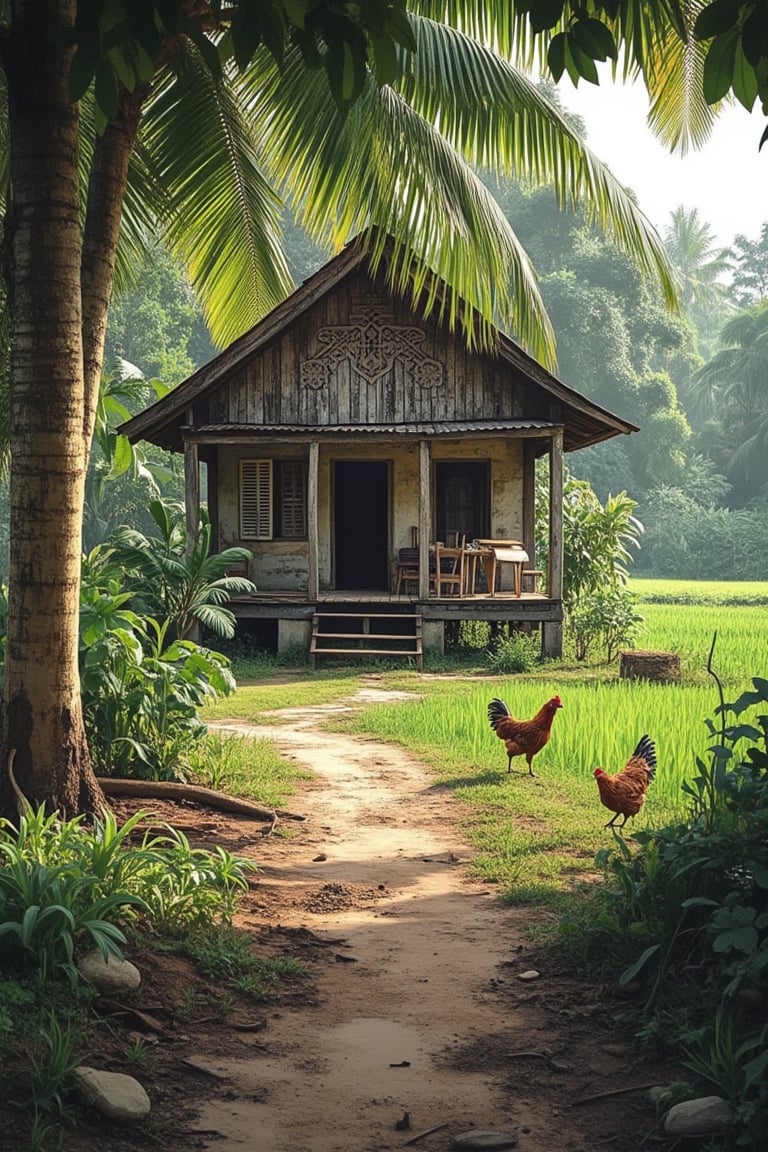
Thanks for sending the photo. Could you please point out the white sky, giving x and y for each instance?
(727, 180)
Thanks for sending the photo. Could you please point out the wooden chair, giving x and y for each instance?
(448, 578)
(406, 568)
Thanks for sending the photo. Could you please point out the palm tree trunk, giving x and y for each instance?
(42, 706)
(106, 190)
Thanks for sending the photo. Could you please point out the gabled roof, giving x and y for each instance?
(585, 422)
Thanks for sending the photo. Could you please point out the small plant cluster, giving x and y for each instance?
(65, 887)
(599, 541)
(143, 682)
(226, 956)
(688, 916)
(517, 652)
(604, 621)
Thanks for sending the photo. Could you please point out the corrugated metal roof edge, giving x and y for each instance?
(421, 427)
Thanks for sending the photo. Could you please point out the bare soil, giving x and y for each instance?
(415, 1015)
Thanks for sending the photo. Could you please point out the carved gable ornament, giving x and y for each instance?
(372, 344)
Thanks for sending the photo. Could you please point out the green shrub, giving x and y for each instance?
(606, 618)
(141, 697)
(517, 652)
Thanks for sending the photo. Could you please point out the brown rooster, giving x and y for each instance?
(624, 793)
(523, 737)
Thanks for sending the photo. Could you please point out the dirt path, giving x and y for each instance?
(420, 1006)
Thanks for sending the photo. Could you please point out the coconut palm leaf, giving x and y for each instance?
(405, 149)
(679, 115)
(655, 44)
(409, 181)
(498, 119)
(221, 216)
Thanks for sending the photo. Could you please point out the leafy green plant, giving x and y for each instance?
(52, 1067)
(606, 618)
(180, 586)
(140, 1055)
(187, 886)
(64, 886)
(517, 652)
(141, 699)
(123, 390)
(44, 910)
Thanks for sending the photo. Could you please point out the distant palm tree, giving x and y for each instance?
(698, 262)
(734, 386)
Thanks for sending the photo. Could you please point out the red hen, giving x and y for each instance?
(523, 737)
(624, 792)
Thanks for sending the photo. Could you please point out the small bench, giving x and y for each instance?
(534, 576)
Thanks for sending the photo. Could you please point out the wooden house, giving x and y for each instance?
(345, 436)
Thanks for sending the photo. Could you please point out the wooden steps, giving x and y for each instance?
(368, 635)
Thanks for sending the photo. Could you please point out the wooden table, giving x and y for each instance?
(492, 553)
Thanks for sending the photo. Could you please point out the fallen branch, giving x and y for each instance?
(163, 790)
(615, 1092)
(426, 1132)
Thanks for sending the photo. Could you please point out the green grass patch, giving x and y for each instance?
(297, 690)
(246, 766)
(225, 955)
(700, 591)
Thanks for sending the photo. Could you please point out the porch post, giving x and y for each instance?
(191, 508)
(552, 634)
(425, 517)
(529, 500)
(313, 568)
(191, 491)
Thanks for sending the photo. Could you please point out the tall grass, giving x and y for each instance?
(742, 639)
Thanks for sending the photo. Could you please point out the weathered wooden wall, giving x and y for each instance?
(360, 357)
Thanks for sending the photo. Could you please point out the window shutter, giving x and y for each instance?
(256, 499)
(293, 504)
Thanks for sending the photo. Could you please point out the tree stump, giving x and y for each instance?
(663, 667)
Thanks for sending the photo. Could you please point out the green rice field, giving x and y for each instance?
(741, 647)
(700, 591)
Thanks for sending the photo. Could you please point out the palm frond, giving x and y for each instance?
(385, 165)
(499, 119)
(679, 115)
(202, 153)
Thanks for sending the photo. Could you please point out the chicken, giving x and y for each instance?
(523, 737)
(624, 793)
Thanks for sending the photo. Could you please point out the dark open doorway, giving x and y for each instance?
(361, 525)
